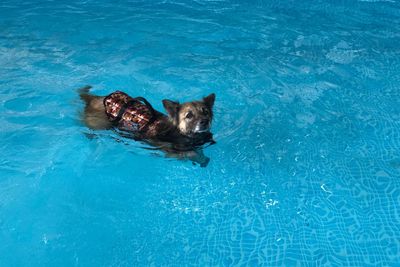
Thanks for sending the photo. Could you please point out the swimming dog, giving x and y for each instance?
(180, 133)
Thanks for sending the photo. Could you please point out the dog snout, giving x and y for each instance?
(204, 122)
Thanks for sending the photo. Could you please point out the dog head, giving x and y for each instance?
(191, 117)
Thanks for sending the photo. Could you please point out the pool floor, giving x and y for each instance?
(306, 168)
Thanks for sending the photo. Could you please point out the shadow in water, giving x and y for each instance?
(186, 151)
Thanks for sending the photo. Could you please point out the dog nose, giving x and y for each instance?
(204, 122)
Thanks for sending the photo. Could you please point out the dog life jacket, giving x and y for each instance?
(130, 114)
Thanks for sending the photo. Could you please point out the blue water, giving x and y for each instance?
(306, 169)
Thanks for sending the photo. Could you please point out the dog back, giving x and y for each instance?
(130, 114)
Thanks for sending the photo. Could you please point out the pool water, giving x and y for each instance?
(306, 169)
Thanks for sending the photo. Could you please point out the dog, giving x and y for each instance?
(180, 133)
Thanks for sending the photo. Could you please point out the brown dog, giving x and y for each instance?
(180, 133)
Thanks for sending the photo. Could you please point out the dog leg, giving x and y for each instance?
(195, 156)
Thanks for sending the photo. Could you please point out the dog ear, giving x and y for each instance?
(209, 100)
(171, 107)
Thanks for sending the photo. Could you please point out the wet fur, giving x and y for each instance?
(94, 115)
(174, 135)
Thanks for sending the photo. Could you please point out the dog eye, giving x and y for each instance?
(205, 111)
(189, 115)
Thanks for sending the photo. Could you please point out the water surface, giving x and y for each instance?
(306, 167)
